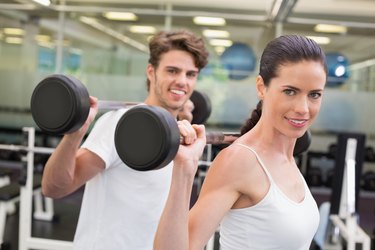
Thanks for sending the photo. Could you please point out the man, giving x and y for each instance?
(186, 112)
(121, 207)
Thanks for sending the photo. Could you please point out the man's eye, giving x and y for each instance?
(192, 75)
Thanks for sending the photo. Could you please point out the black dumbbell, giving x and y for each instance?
(60, 104)
(202, 107)
(148, 138)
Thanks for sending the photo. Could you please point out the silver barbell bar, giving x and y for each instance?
(18, 148)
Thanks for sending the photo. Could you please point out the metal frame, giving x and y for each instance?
(346, 220)
(26, 241)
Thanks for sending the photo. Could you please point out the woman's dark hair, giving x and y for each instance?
(281, 51)
(183, 40)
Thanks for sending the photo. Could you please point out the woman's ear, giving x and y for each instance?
(260, 87)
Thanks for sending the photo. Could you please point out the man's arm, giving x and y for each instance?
(69, 167)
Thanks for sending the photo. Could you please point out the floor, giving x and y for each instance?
(61, 228)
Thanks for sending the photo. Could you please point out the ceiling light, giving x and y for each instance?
(214, 21)
(43, 2)
(142, 29)
(13, 40)
(219, 49)
(42, 38)
(221, 42)
(14, 31)
(330, 28)
(216, 33)
(120, 16)
(340, 71)
(320, 39)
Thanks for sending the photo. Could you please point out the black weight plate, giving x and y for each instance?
(302, 143)
(82, 101)
(58, 103)
(202, 107)
(147, 138)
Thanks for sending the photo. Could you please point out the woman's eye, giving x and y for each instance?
(289, 92)
(315, 95)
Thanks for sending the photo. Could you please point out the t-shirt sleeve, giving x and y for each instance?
(101, 138)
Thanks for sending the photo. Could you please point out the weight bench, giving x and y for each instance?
(10, 194)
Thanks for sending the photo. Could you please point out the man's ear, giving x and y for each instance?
(260, 87)
(150, 71)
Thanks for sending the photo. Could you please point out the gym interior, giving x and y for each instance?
(109, 55)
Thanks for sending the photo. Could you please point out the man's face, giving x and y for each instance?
(173, 81)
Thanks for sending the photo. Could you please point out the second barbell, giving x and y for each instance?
(148, 138)
(60, 104)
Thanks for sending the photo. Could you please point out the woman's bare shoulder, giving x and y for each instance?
(234, 157)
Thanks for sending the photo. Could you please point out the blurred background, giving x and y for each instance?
(104, 44)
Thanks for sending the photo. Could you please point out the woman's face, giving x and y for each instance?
(293, 98)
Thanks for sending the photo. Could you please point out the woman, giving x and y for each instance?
(254, 190)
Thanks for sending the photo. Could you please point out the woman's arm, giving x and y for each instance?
(179, 229)
(172, 232)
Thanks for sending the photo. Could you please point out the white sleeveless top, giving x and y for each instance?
(276, 222)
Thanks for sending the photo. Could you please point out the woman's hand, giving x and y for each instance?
(190, 151)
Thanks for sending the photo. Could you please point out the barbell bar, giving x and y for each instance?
(19, 148)
(60, 104)
(148, 138)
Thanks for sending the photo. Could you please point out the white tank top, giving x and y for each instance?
(276, 222)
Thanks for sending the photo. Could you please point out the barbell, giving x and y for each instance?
(25, 149)
(60, 104)
(148, 138)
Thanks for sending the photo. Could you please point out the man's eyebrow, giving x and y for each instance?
(172, 67)
(177, 68)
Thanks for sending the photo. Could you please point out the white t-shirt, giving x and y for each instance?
(121, 207)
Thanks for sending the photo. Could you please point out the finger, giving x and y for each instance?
(200, 131)
(187, 131)
(93, 101)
